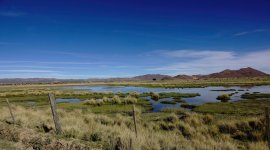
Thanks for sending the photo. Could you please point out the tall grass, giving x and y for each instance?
(155, 130)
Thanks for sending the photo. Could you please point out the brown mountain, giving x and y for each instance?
(151, 77)
(243, 72)
(183, 77)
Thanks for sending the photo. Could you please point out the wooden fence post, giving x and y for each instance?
(10, 111)
(267, 126)
(134, 119)
(55, 115)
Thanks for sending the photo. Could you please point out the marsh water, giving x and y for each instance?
(207, 94)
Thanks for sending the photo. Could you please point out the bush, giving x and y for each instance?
(155, 96)
(134, 94)
(130, 100)
(207, 119)
(100, 102)
(90, 102)
(224, 98)
(105, 99)
(116, 99)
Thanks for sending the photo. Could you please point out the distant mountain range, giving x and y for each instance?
(243, 72)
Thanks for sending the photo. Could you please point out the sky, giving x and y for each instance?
(124, 38)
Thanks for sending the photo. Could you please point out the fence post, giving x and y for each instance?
(10, 111)
(267, 126)
(134, 119)
(55, 115)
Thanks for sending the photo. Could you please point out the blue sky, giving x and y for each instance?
(85, 39)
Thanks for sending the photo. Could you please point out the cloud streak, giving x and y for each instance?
(52, 62)
(198, 54)
(249, 32)
(30, 71)
(205, 61)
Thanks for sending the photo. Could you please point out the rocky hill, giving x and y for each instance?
(243, 72)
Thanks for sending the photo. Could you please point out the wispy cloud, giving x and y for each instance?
(43, 67)
(249, 32)
(206, 62)
(198, 54)
(51, 62)
(30, 71)
(12, 14)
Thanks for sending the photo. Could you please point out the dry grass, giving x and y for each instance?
(167, 131)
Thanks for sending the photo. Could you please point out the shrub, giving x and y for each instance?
(105, 99)
(100, 102)
(134, 94)
(207, 119)
(224, 98)
(116, 99)
(130, 100)
(90, 102)
(155, 96)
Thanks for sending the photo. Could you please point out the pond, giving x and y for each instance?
(207, 94)
(70, 100)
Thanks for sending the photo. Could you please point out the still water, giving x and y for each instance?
(207, 94)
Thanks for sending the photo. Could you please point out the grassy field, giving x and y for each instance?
(104, 121)
(165, 83)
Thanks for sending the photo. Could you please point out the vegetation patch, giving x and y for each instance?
(189, 106)
(167, 102)
(178, 95)
(225, 90)
(255, 95)
(224, 97)
(179, 100)
(242, 107)
(173, 110)
(155, 96)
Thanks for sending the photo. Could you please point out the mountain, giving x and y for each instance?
(183, 77)
(151, 77)
(243, 72)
